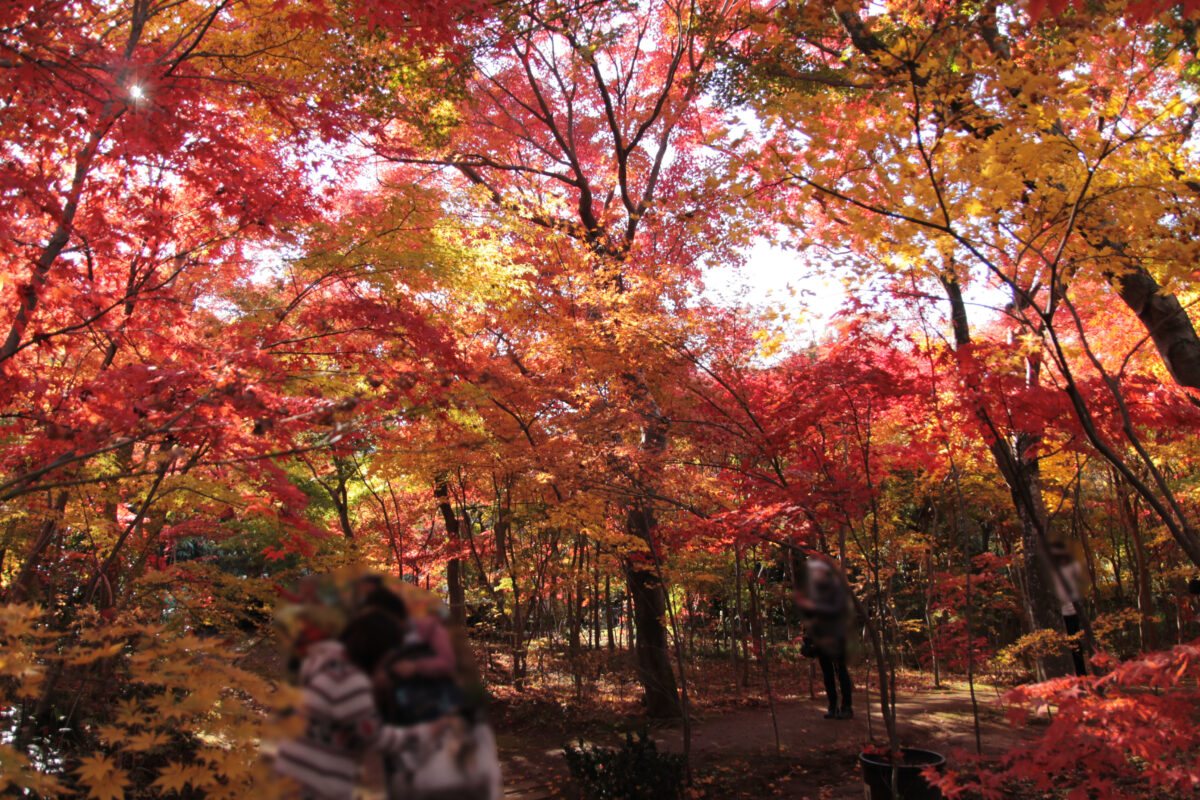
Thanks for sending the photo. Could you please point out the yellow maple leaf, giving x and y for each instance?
(146, 740)
(111, 733)
(173, 778)
(231, 763)
(103, 779)
(129, 712)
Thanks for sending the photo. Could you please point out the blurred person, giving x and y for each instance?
(436, 742)
(341, 722)
(377, 679)
(1065, 579)
(417, 673)
(824, 602)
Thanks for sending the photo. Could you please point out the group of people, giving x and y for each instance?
(824, 600)
(381, 681)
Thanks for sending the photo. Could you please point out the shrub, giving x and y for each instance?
(1132, 733)
(635, 771)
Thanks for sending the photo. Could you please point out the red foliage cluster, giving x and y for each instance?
(1131, 733)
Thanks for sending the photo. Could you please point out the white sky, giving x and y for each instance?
(802, 301)
(779, 280)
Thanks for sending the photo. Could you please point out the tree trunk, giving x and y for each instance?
(1021, 473)
(650, 609)
(741, 617)
(1025, 487)
(933, 655)
(454, 582)
(596, 598)
(608, 615)
(1145, 603)
(629, 634)
(756, 627)
(1166, 322)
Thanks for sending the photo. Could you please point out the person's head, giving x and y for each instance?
(385, 599)
(369, 636)
(1060, 553)
(819, 570)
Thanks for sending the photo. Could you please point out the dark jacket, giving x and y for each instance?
(828, 621)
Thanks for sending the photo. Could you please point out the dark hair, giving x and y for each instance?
(369, 636)
(1194, 586)
(386, 600)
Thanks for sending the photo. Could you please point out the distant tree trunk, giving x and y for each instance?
(608, 615)
(501, 529)
(504, 562)
(741, 616)
(575, 614)
(756, 627)
(596, 598)
(339, 493)
(454, 581)
(1129, 519)
(933, 654)
(629, 634)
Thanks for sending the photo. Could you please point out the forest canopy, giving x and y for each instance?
(427, 289)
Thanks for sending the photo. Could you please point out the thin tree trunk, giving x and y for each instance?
(933, 656)
(1021, 474)
(454, 582)
(608, 614)
(596, 598)
(629, 623)
(19, 591)
(741, 616)
(756, 625)
(1145, 603)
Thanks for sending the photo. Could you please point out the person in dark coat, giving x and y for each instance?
(1065, 581)
(825, 604)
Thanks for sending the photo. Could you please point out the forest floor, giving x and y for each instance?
(734, 753)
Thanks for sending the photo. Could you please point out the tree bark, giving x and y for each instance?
(650, 611)
(454, 582)
(1022, 475)
(653, 660)
(1166, 321)
(1145, 603)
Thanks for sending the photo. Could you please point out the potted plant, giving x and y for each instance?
(892, 772)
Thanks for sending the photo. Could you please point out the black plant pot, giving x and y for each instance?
(877, 775)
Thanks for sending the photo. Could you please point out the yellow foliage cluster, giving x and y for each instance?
(1041, 643)
(137, 709)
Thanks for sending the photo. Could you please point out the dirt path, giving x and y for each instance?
(734, 753)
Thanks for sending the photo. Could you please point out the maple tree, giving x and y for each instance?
(154, 153)
(580, 123)
(966, 154)
(420, 287)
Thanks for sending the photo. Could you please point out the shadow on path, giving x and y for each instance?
(734, 752)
